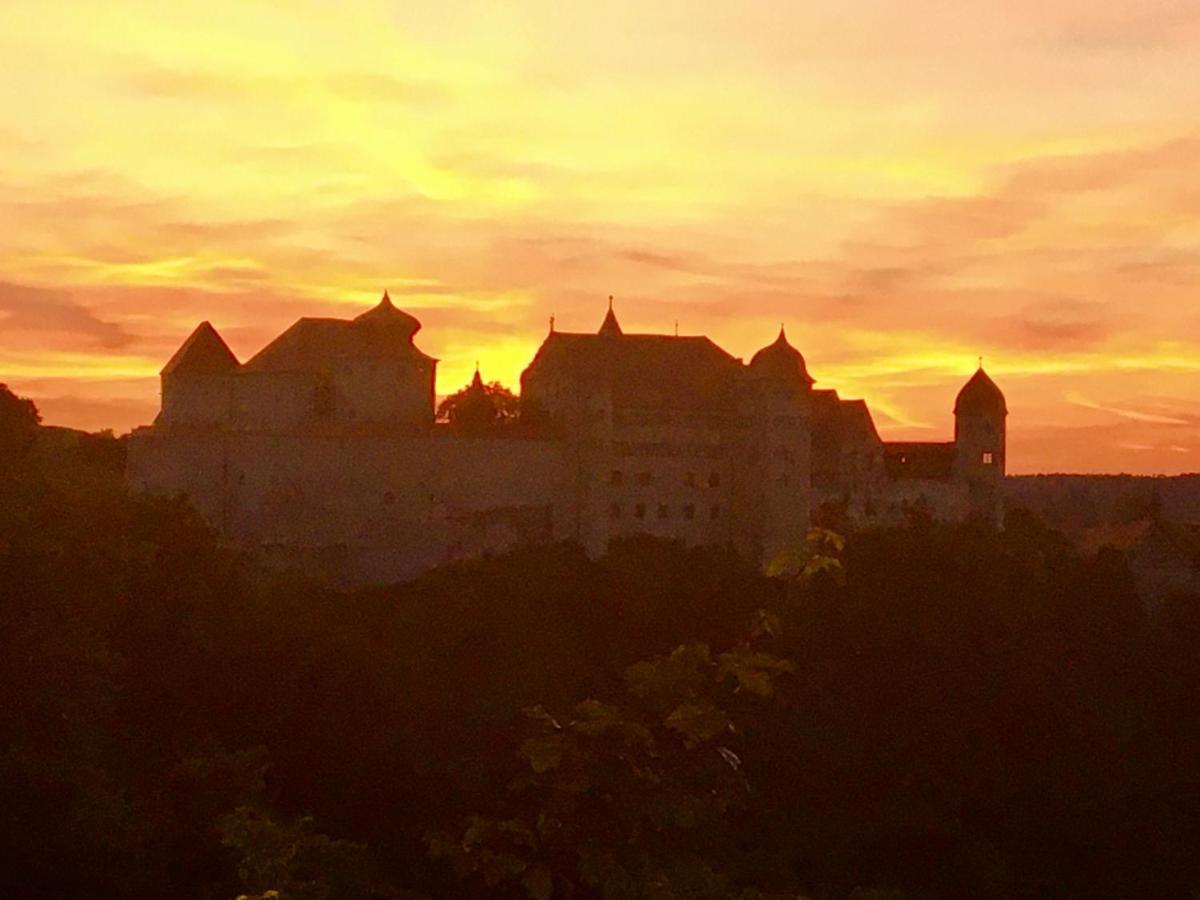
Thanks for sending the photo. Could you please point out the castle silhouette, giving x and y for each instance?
(322, 451)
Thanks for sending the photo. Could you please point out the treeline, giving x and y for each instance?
(940, 712)
(1076, 503)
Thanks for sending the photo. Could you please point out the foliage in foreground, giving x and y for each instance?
(954, 712)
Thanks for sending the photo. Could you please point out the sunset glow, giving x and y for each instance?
(907, 185)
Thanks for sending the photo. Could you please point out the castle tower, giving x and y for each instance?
(980, 436)
(196, 381)
(780, 457)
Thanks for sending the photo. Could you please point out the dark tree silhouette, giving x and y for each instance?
(479, 406)
(19, 419)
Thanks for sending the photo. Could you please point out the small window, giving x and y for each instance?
(714, 480)
(614, 511)
(639, 511)
(664, 511)
(989, 458)
(644, 478)
(616, 477)
(715, 513)
(689, 512)
(689, 479)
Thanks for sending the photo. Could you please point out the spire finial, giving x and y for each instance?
(981, 363)
(610, 325)
(387, 300)
(676, 328)
(552, 323)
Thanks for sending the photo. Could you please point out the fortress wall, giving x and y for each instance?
(675, 468)
(161, 462)
(360, 508)
(197, 399)
(370, 390)
(272, 401)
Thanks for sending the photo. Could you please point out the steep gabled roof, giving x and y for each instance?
(314, 344)
(642, 369)
(203, 353)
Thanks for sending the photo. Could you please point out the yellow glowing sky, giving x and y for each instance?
(908, 184)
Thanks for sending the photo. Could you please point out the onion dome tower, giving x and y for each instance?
(781, 361)
(385, 317)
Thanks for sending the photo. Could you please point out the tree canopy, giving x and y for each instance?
(930, 710)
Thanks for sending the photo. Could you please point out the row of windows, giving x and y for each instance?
(645, 478)
(687, 511)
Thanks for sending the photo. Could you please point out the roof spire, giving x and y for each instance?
(610, 327)
(552, 323)
(387, 300)
(477, 381)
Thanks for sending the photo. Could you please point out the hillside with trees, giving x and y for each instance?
(926, 711)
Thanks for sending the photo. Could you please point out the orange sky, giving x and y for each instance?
(908, 184)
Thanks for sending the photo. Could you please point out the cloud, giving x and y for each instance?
(27, 308)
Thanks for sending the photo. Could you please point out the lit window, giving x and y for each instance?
(614, 511)
(664, 511)
(988, 458)
(639, 511)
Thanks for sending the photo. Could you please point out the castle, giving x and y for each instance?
(322, 451)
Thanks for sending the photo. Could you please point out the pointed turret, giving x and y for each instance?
(781, 360)
(981, 441)
(980, 395)
(610, 327)
(203, 353)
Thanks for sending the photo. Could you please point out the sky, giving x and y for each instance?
(908, 185)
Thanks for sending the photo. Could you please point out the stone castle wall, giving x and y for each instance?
(361, 508)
